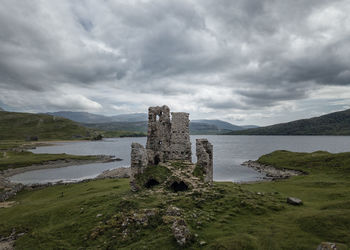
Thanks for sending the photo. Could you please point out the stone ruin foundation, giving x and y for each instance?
(168, 139)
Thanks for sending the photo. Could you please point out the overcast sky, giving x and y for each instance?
(243, 61)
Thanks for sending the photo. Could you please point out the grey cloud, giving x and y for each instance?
(227, 104)
(263, 52)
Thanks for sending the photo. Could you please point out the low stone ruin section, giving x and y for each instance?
(139, 162)
(204, 152)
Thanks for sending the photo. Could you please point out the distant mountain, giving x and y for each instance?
(136, 117)
(141, 126)
(201, 128)
(137, 122)
(1, 109)
(23, 126)
(85, 117)
(221, 125)
(337, 123)
(82, 117)
(249, 126)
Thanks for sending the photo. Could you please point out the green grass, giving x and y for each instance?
(229, 216)
(20, 126)
(337, 123)
(198, 172)
(10, 144)
(13, 159)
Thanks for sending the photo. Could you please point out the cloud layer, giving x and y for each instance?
(246, 61)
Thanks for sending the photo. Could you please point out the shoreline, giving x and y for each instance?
(271, 173)
(10, 189)
(57, 164)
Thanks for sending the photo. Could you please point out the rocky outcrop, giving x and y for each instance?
(204, 152)
(271, 172)
(115, 173)
(9, 189)
(7, 243)
(327, 246)
(11, 192)
(180, 231)
(294, 201)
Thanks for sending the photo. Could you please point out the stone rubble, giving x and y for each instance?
(181, 232)
(327, 246)
(270, 172)
(121, 172)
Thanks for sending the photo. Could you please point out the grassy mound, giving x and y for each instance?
(22, 126)
(106, 214)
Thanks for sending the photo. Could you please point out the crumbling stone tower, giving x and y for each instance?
(158, 135)
(169, 139)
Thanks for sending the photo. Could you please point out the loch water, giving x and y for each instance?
(229, 153)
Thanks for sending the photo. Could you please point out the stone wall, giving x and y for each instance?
(139, 162)
(180, 144)
(204, 152)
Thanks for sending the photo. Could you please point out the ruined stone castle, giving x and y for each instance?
(168, 139)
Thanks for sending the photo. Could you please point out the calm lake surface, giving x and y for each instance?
(229, 153)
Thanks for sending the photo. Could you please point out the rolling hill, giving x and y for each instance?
(221, 125)
(85, 117)
(337, 123)
(82, 117)
(135, 117)
(137, 122)
(198, 128)
(27, 126)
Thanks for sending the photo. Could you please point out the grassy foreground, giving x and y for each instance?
(231, 216)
